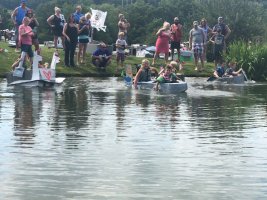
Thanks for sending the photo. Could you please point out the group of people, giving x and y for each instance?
(166, 34)
(76, 31)
(199, 36)
(73, 31)
(167, 74)
(223, 70)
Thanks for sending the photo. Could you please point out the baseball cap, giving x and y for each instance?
(195, 23)
(23, 1)
(176, 19)
(220, 18)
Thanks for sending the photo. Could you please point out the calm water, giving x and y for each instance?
(95, 139)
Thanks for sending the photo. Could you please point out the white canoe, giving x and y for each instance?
(37, 77)
(177, 87)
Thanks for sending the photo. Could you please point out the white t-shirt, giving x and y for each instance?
(122, 43)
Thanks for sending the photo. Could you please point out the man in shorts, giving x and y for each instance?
(176, 30)
(17, 16)
(196, 42)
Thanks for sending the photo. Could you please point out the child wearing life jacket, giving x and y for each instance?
(166, 77)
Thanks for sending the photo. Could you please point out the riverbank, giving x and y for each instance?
(87, 69)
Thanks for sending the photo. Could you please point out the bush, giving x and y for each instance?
(251, 57)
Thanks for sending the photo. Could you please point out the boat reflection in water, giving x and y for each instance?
(92, 138)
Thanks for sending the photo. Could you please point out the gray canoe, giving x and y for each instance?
(178, 87)
(232, 80)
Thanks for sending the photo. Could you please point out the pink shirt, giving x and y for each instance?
(26, 39)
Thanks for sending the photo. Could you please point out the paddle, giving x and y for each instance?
(212, 78)
(128, 78)
(244, 74)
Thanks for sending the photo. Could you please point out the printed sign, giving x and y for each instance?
(98, 19)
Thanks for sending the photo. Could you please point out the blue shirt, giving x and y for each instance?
(102, 52)
(77, 17)
(20, 15)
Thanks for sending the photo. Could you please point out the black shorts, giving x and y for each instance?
(218, 56)
(57, 31)
(100, 62)
(28, 49)
(175, 45)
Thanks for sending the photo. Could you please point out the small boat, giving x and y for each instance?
(177, 87)
(240, 79)
(37, 77)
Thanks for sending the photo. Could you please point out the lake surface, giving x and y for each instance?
(96, 139)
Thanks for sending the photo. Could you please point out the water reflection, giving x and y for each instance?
(91, 138)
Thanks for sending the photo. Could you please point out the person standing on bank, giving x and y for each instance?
(207, 30)
(83, 39)
(196, 42)
(34, 25)
(176, 31)
(17, 16)
(78, 14)
(25, 37)
(162, 43)
(56, 22)
(70, 32)
(225, 30)
(123, 25)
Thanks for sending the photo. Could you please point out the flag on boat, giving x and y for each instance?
(98, 19)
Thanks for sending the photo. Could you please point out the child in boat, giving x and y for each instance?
(143, 74)
(166, 77)
(230, 71)
(220, 70)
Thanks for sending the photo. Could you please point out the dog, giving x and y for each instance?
(7, 34)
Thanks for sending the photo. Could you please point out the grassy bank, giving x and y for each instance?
(87, 69)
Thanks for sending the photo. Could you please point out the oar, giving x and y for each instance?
(244, 73)
(212, 78)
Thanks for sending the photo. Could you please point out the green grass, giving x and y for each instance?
(88, 70)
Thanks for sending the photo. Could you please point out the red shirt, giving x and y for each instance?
(176, 32)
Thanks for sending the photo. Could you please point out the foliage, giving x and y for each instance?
(251, 57)
(5, 16)
(246, 18)
(7, 58)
